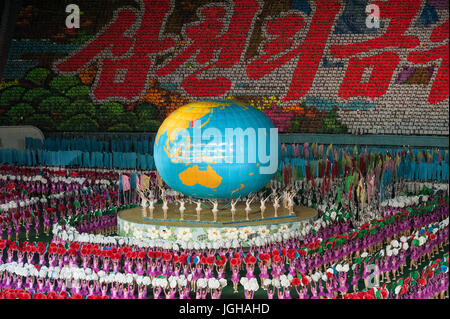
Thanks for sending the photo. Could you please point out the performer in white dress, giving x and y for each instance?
(276, 204)
(233, 208)
(152, 201)
(162, 191)
(247, 205)
(143, 201)
(198, 209)
(291, 203)
(142, 196)
(182, 208)
(164, 207)
(274, 190)
(215, 208)
(285, 197)
(263, 205)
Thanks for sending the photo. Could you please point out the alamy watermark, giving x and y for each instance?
(73, 19)
(373, 18)
(252, 145)
(372, 279)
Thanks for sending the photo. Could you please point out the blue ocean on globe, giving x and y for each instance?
(216, 149)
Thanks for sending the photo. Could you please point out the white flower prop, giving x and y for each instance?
(146, 281)
(235, 243)
(202, 283)
(243, 281)
(164, 232)
(276, 282)
(214, 234)
(213, 283)
(164, 282)
(183, 282)
(152, 232)
(284, 282)
(223, 282)
(184, 233)
(262, 231)
(422, 240)
(244, 232)
(253, 284)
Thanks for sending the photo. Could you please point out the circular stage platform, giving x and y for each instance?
(132, 223)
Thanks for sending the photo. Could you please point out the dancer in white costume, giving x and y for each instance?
(163, 197)
(182, 208)
(152, 201)
(276, 204)
(247, 205)
(162, 191)
(274, 190)
(143, 202)
(215, 208)
(233, 208)
(263, 205)
(285, 197)
(198, 209)
(164, 207)
(142, 196)
(291, 203)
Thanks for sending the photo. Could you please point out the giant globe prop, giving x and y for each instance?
(216, 149)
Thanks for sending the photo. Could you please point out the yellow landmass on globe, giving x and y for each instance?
(242, 186)
(193, 175)
(184, 116)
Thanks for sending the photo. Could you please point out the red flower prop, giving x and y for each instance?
(167, 256)
(305, 281)
(235, 261)
(291, 254)
(295, 281)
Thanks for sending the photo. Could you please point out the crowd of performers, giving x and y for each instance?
(149, 200)
(37, 198)
(285, 197)
(394, 249)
